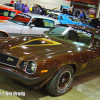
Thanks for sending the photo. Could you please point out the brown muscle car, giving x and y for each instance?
(54, 58)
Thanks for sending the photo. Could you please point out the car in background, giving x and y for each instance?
(7, 13)
(9, 5)
(26, 24)
(66, 19)
(95, 22)
(54, 59)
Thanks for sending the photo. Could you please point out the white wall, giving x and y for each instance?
(49, 4)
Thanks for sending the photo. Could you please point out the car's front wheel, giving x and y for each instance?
(2, 35)
(61, 81)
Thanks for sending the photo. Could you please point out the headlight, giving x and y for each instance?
(23, 64)
(31, 67)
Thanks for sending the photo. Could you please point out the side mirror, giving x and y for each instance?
(32, 25)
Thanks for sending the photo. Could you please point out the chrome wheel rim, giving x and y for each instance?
(64, 81)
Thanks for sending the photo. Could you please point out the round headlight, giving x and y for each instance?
(22, 64)
(31, 67)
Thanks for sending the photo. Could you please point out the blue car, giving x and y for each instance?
(66, 19)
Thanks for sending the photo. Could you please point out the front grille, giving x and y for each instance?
(8, 60)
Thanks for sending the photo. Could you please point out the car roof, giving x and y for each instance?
(58, 13)
(9, 8)
(92, 30)
(40, 16)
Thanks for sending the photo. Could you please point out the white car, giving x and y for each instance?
(26, 24)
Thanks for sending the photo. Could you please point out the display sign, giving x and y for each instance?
(92, 11)
(6, 13)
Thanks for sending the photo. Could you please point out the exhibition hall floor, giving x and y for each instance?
(84, 87)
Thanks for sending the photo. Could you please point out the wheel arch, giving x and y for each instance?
(5, 33)
(74, 66)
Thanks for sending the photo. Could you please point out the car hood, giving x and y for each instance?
(37, 46)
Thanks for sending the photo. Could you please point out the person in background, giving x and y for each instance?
(35, 9)
(81, 16)
(43, 11)
(12, 1)
(23, 6)
(70, 11)
(25, 9)
(77, 13)
(18, 5)
(40, 9)
(15, 4)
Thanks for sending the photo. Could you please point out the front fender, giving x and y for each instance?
(53, 66)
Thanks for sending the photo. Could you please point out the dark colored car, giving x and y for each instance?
(54, 59)
(95, 23)
(9, 4)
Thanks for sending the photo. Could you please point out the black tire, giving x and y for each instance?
(61, 81)
(2, 35)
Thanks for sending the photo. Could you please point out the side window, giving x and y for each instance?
(4, 12)
(12, 14)
(38, 22)
(45, 23)
(61, 18)
(48, 23)
(79, 37)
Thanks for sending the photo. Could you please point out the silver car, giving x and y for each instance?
(26, 24)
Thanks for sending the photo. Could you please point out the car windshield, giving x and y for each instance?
(21, 19)
(56, 31)
(72, 35)
(52, 15)
(74, 19)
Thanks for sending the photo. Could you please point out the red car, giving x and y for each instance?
(7, 12)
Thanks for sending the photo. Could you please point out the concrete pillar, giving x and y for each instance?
(28, 3)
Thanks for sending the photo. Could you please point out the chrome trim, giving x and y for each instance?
(8, 64)
(26, 67)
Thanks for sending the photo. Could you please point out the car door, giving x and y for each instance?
(38, 26)
(82, 39)
(95, 54)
